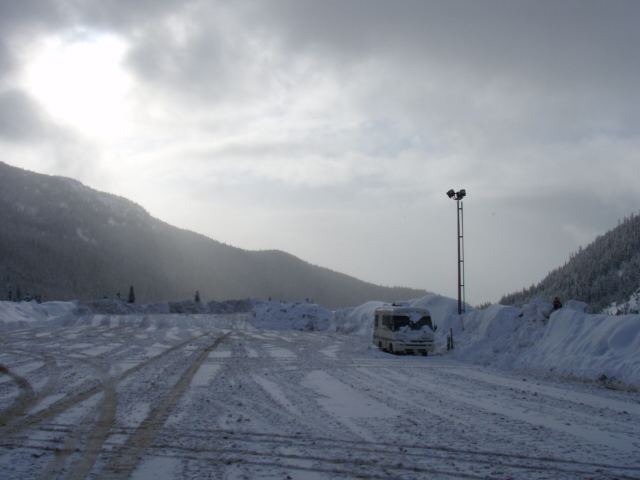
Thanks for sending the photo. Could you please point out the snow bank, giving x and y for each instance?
(272, 315)
(567, 342)
(355, 320)
(22, 314)
(589, 346)
(534, 338)
(495, 335)
(116, 313)
(259, 314)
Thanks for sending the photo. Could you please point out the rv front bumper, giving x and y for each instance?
(414, 347)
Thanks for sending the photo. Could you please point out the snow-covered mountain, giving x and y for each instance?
(606, 271)
(63, 240)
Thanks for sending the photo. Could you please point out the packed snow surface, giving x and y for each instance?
(293, 391)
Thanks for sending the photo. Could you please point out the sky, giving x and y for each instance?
(332, 129)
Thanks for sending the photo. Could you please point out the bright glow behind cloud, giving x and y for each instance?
(81, 82)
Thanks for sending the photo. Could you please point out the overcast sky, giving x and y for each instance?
(332, 129)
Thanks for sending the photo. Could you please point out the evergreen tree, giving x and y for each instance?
(132, 295)
(197, 297)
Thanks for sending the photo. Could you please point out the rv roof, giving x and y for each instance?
(402, 310)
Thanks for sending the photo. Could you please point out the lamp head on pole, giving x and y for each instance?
(459, 195)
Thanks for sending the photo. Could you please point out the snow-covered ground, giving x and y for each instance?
(153, 396)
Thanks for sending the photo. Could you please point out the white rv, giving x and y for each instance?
(403, 329)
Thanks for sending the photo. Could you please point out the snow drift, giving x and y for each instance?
(589, 346)
(24, 314)
(533, 338)
(273, 315)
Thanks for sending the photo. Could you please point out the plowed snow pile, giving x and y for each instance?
(22, 314)
(567, 342)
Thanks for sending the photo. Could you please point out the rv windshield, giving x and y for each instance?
(400, 321)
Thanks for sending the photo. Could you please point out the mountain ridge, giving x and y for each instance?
(64, 240)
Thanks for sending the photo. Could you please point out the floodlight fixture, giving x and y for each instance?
(451, 193)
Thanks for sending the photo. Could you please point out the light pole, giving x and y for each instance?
(458, 196)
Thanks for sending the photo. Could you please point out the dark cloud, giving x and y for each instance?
(20, 118)
(565, 39)
(197, 62)
(119, 15)
(26, 13)
(21, 19)
(547, 70)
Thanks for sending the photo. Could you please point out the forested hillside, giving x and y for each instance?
(62, 240)
(606, 271)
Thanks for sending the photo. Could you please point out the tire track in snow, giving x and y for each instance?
(370, 459)
(452, 397)
(388, 369)
(351, 375)
(291, 408)
(72, 400)
(380, 463)
(579, 427)
(307, 413)
(22, 401)
(127, 458)
(90, 432)
(380, 454)
(50, 364)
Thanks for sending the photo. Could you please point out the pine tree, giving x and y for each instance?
(197, 297)
(132, 295)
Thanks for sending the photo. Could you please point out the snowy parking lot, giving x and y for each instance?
(209, 396)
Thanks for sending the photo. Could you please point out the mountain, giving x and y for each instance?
(606, 271)
(63, 240)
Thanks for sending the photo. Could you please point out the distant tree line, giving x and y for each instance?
(606, 271)
(15, 294)
(131, 298)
